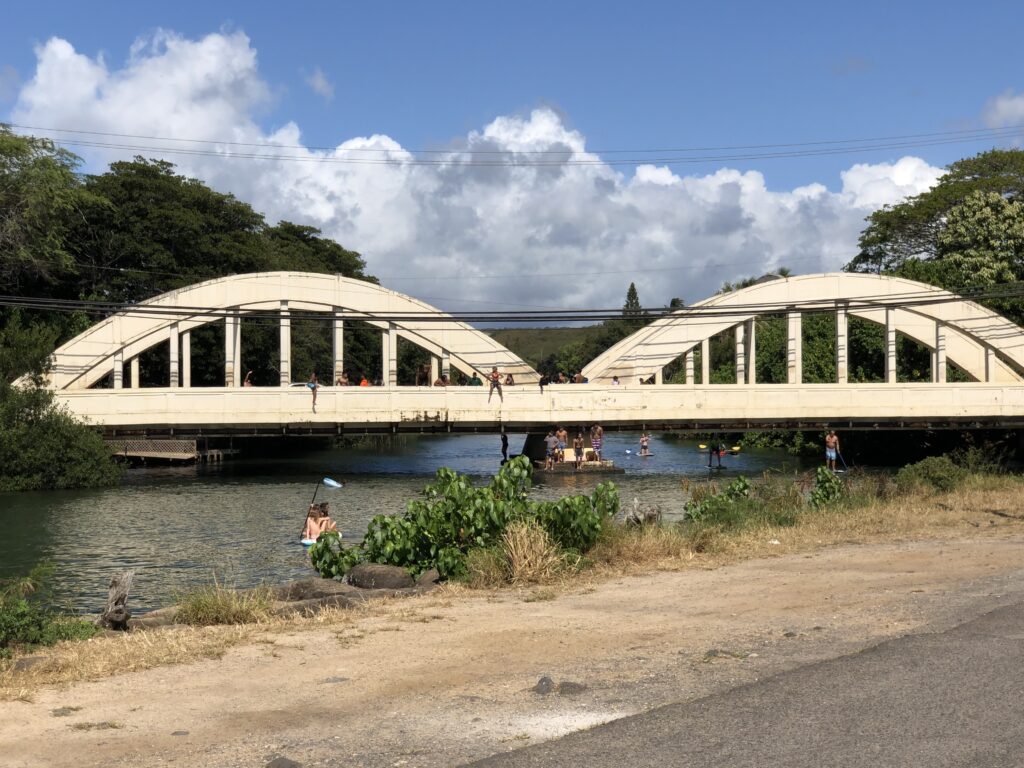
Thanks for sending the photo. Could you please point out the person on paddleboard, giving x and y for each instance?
(831, 449)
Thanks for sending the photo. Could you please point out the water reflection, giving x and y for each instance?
(174, 526)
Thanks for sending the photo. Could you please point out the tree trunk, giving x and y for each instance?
(117, 614)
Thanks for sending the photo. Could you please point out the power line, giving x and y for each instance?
(970, 132)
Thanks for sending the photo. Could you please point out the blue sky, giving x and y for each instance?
(621, 76)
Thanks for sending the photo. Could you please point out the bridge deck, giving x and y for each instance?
(271, 410)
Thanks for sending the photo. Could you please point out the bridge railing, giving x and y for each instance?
(410, 408)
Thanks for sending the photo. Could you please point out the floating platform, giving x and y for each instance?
(561, 468)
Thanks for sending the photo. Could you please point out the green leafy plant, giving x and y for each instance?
(936, 472)
(26, 618)
(454, 517)
(827, 488)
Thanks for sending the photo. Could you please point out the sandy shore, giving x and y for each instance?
(446, 678)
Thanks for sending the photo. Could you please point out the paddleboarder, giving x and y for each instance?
(831, 449)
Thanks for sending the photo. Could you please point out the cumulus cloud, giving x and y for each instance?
(543, 223)
(1004, 110)
(320, 84)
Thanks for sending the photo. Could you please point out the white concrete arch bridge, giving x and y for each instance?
(985, 345)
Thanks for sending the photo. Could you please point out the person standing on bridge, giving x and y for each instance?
(831, 449)
(313, 386)
(494, 378)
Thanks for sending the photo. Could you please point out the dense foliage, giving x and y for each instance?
(454, 517)
(26, 618)
(939, 473)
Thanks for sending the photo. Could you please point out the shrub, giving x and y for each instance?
(27, 620)
(217, 604)
(827, 488)
(485, 568)
(454, 517)
(936, 472)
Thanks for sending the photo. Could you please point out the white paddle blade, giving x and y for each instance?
(332, 483)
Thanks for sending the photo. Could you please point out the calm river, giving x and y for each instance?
(177, 527)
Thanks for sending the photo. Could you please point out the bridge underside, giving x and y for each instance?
(254, 412)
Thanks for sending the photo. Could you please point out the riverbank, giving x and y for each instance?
(453, 675)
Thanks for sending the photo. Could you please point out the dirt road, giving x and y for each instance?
(441, 679)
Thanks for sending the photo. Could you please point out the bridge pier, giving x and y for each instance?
(173, 360)
(842, 351)
(133, 369)
(890, 345)
(939, 355)
(285, 351)
(794, 348)
(186, 359)
(741, 353)
(339, 345)
(233, 348)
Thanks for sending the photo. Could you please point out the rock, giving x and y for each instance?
(428, 579)
(569, 688)
(789, 633)
(179, 733)
(64, 711)
(283, 762)
(375, 576)
(544, 686)
(328, 680)
(311, 589)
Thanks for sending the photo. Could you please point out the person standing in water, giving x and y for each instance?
(645, 443)
(596, 440)
(831, 449)
(577, 447)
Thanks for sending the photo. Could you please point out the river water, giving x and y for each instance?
(180, 527)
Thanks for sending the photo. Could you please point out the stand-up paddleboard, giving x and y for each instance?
(307, 542)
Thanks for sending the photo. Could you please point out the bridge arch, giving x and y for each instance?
(987, 346)
(118, 340)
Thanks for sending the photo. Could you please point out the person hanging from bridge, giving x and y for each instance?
(504, 447)
(494, 378)
(313, 385)
(831, 449)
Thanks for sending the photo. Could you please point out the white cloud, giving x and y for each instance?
(560, 234)
(1004, 110)
(320, 84)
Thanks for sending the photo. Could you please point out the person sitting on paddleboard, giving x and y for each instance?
(318, 521)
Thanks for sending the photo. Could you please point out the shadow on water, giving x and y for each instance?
(177, 525)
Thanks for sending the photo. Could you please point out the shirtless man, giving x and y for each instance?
(577, 449)
(596, 439)
(563, 442)
(831, 449)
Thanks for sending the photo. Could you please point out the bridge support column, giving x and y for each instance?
(118, 369)
(133, 367)
(751, 351)
(435, 368)
(990, 364)
(688, 362)
(339, 345)
(842, 351)
(659, 376)
(285, 352)
(173, 364)
(741, 353)
(186, 359)
(705, 362)
(890, 345)
(232, 349)
(446, 364)
(389, 353)
(794, 349)
(939, 355)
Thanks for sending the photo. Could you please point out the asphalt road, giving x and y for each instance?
(953, 698)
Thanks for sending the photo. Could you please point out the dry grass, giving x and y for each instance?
(530, 555)
(217, 604)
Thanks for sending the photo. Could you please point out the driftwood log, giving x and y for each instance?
(116, 614)
(637, 516)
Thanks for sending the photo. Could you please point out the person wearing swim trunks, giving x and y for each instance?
(645, 442)
(596, 440)
(831, 449)
(314, 386)
(494, 378)
(577, 447)
(551, 444)
(563, 442)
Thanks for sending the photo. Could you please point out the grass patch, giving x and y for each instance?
(217, 604)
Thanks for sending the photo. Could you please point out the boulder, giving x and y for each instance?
(376, 576)
(428, 579)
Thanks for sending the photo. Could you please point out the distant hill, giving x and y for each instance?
(535, 344)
